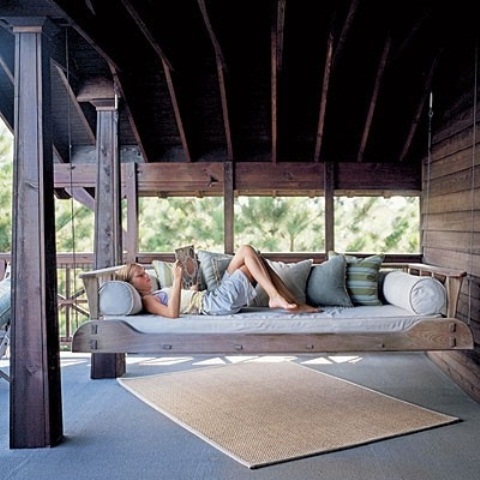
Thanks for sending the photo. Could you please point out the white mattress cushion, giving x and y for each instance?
(421, 295)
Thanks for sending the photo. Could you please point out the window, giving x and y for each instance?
(166, 223)
(377, 224)
(280, 224)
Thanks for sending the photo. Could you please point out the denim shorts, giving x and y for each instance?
(234, 292)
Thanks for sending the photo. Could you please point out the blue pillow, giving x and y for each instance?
(326, 285)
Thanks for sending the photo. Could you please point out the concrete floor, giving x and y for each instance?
(110, 434)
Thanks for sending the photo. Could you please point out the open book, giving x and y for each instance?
(189, 260)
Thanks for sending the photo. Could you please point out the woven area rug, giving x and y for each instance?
(266, 413)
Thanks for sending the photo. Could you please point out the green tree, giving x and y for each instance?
(75, 226)
(280, 224)
(377, 224)
(168, 223)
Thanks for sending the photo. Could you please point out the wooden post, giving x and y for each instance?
(35, 388)
(108, 228)
(228, 206)
(329, 175)
(131, 192)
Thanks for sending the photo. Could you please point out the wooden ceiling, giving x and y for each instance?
(250, 81)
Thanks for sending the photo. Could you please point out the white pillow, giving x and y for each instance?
(119, 298)
(294, 275)
(421, 295)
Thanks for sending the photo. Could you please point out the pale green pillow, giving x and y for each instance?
(164, 273)
(327, 284)
(362, 278)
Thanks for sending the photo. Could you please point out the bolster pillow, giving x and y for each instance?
(421, 295)
(119, 298)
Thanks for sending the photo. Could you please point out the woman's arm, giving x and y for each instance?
(153, 305)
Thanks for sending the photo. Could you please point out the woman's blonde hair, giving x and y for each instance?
(125, 274)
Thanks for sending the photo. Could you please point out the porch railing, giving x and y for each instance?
(72, 301)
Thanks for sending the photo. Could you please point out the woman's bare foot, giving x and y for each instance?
(278, 301)
(304, 308)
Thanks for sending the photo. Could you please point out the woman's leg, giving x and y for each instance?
(256, 268)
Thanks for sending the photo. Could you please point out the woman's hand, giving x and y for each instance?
(177, 270)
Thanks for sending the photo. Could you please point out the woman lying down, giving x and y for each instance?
(235, 291)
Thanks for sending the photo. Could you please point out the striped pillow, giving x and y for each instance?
(362, 278)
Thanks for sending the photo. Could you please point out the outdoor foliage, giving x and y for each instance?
(377, 224)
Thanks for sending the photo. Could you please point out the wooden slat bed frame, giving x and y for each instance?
(117, 336)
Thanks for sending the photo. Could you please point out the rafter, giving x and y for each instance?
(373, 101)
(347, 24)
(222, 83)
(167, 69)
(323, 98)
(418, 113)
(276, 43)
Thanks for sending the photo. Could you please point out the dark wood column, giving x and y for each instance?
(329, 189)
(228, 206)
(35, 389)
(131, 193)
(108, 225)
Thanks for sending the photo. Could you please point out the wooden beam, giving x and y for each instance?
(276, 44)
(6, 55)
(419, 111)
(333, 53)
(108, 239)
(221, 72)
(256, 178)
(131, 190)
(35, 389)
(323, 98)
(99, 91)
(89, 22)
(228, 207)
(347, 24)
(82, 196)
(373, 100)
(167, 68)
(378, 177)
(329, 188)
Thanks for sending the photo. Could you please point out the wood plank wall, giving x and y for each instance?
(451, 230)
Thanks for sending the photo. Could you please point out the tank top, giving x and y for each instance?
(191, 301)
